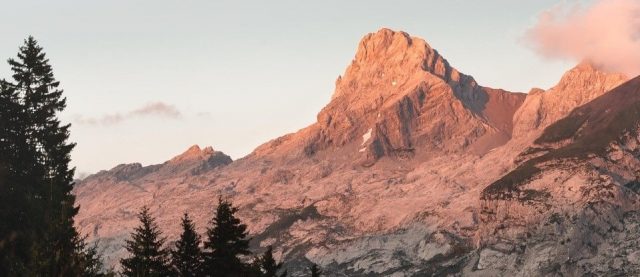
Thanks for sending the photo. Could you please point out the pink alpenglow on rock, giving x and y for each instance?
(414, 169)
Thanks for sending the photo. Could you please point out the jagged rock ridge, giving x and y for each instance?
(393, 177)
(402, 96)
(193, 161)
(578, 197)
(578, 86)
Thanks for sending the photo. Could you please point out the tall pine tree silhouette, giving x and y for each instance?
(17, 231)
(92, 264)
(186, 258)
(41, 236)
(226, 242)
(148, 256)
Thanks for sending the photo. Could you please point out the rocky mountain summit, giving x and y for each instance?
(578, 86)
(414, 169)
(399, 96)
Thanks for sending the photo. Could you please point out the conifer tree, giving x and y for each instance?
(17, 232)
(226, 242)
(92, 264)
(315, 271)
(148, 256)
(186, 258)
(267, 265)
(10, 116)
(40, 232)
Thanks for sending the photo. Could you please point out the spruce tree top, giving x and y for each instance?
(34, 75)
(226, 242)
(186, 258)
(268, 266)
(41, 100)
(148, 257)
(228, 234)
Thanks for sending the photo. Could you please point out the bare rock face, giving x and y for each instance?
(578, 86)
(195, 161)
(413, 169)
(566, 207)
(399, 95)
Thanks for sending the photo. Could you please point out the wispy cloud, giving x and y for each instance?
(606, 33)
(158, 109)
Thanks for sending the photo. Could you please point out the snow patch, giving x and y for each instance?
(366, 136)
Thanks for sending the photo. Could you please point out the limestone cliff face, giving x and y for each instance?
(578, 86)
(458, 179)
(399, 95)
(569, 210)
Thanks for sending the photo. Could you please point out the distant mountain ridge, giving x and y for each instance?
(414, 169)
(193, 161)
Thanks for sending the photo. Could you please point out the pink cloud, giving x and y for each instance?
(606, 33)
(159, 109)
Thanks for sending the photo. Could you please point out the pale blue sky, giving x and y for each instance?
(244, 72)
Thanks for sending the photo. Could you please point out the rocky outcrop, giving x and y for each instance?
(578, 86)
(458, 179)
(195, 161)
(565, 207)
(192, 162)
(399, 95)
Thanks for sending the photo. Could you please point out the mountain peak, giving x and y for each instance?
(388, 61)
(579, 85)
(194, 152)
(193, 149)
(585, 65)
(386, 34)
(587, 75)
(398, 48)
(402, 93)
(381, 42)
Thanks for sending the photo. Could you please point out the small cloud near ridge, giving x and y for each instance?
(157, 109)
(606, 33)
